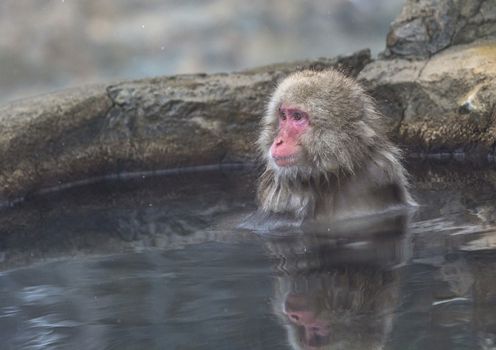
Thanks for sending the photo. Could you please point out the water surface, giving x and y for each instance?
(157, 263)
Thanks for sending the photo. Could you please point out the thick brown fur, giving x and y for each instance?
(350, 168)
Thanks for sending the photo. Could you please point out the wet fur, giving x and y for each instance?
(350, 167)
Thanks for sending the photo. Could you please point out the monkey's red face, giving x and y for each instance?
(293, 123)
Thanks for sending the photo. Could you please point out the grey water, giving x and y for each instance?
(158, 262)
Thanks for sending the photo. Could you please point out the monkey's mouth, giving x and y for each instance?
(285, 161)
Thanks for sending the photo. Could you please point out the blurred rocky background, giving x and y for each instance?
(47, 45)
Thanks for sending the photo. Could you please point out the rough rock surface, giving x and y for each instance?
(436, 81)
(426, 27)
(442, 105)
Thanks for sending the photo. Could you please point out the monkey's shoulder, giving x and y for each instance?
(376, 188)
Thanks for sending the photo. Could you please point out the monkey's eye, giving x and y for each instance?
(282, 115)
(297, 116)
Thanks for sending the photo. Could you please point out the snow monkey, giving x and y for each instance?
(327, 156)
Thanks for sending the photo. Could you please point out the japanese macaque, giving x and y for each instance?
(326, 154)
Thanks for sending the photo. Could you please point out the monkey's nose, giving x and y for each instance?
(279, 141)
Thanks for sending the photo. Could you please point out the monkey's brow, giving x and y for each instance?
(292, 110)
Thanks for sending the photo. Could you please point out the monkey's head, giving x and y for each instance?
(318, 122)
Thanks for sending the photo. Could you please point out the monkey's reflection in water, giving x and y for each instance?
(339, 290)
